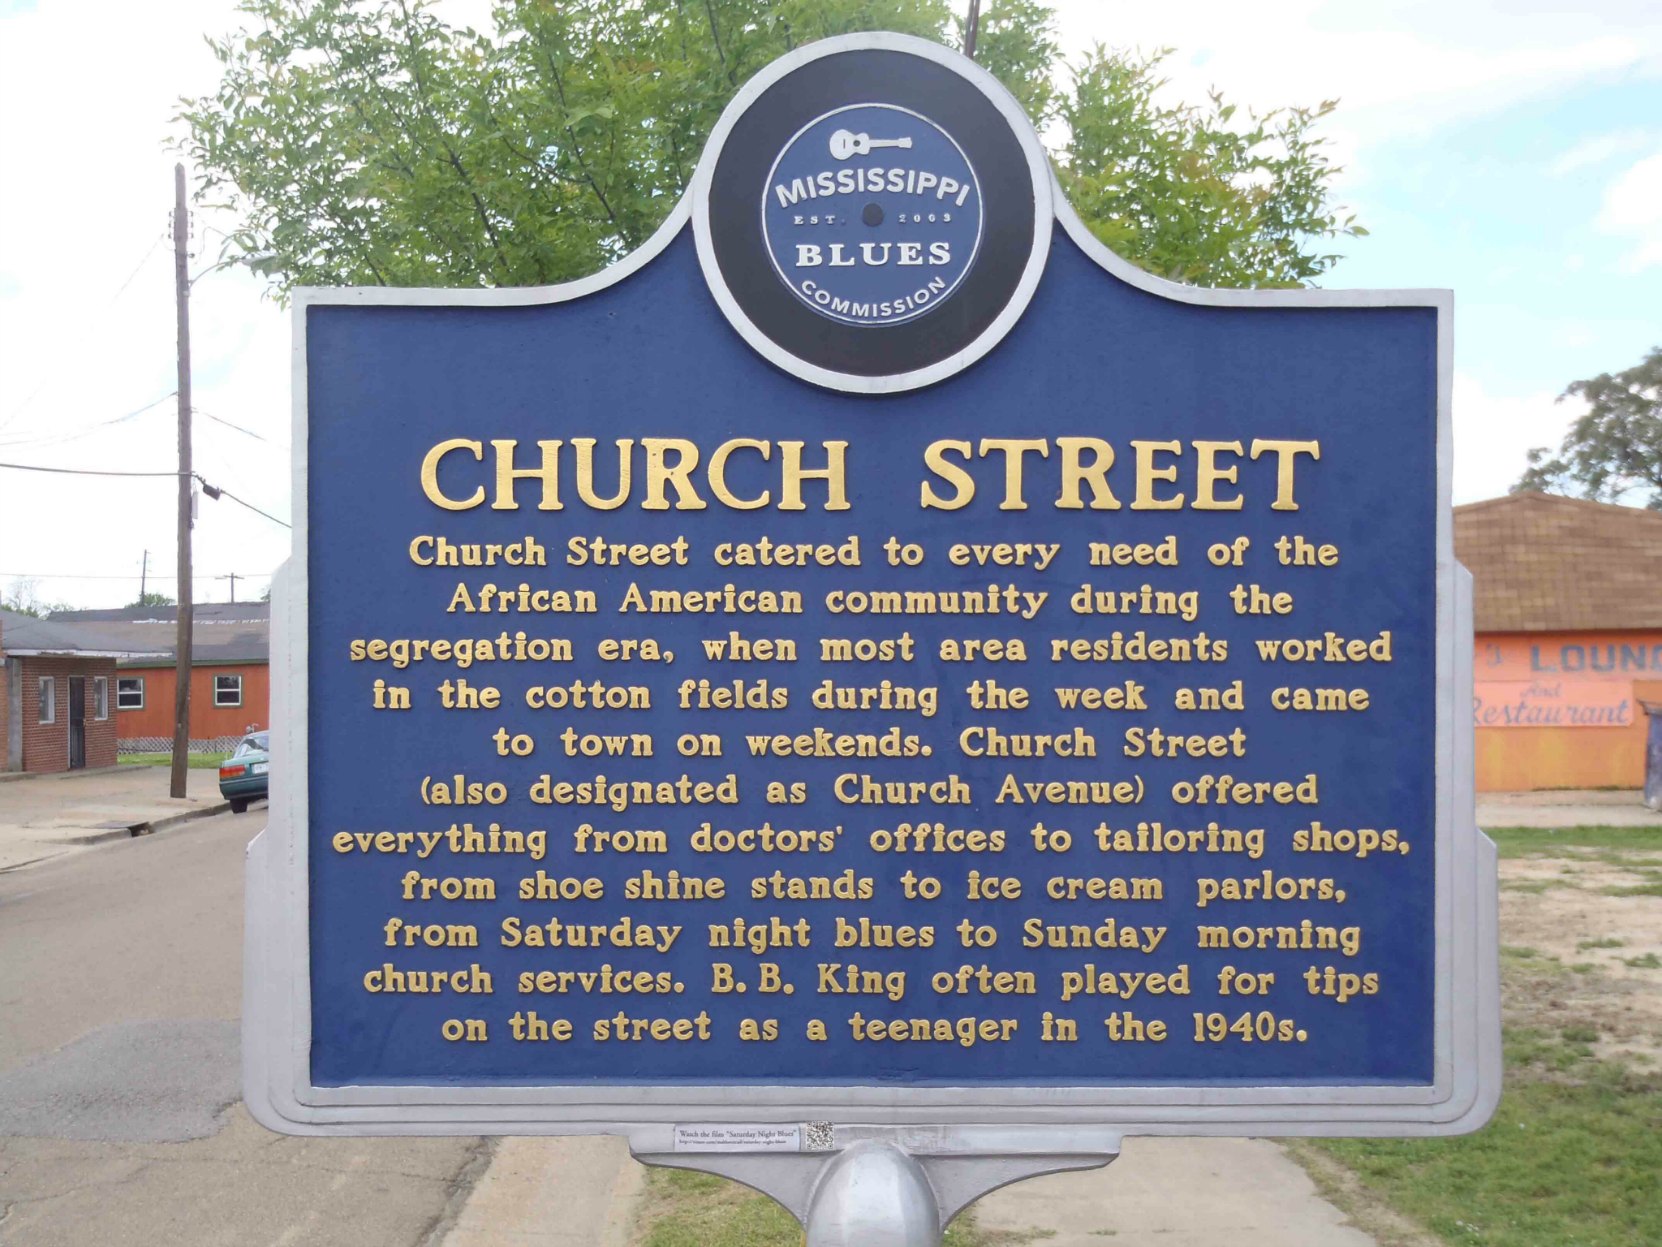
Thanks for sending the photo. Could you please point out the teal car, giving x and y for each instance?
(244, 776)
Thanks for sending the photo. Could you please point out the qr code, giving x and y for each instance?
(817, 1136)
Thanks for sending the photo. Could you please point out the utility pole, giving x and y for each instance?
(182, 637)
(972, 28)
(233, 586)
(144, 574)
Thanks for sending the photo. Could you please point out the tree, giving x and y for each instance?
(153, 599)
(1183, 192)
(24, 598)
(368, 142)
(1615, 449)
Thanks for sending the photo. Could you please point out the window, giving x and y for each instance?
(227, 690)
(129, 692)
(100, 696)
(48, 699)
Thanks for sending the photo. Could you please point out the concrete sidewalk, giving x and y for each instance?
(44, 816)
(1179, 1192)
(561, 1192)
(584, 1192)
(1567, 807)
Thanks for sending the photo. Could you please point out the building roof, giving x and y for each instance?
(24, 635)
(221, 632)
(201, 612)
(1541, 563)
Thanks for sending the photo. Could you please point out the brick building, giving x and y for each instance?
(1568, 615)
(230, 681)
(57, 693)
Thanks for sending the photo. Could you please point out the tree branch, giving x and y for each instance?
(438, 130)
(577, 147)
(715, 36)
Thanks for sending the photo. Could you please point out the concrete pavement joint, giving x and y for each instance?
(461, 1186)
(138, 1171)
(30, 862)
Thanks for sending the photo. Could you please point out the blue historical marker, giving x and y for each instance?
(872, 660)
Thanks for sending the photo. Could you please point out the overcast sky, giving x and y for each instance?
(1508, 149)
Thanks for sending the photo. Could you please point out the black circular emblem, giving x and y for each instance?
(875, 213)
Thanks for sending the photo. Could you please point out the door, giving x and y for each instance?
(77, 722)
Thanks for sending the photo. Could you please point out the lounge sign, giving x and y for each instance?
(872, 657)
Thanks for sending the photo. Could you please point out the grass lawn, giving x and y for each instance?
(1571, 1158)
(1545, 841)
(198, 761)
(686, 1209)
(1573, 1154)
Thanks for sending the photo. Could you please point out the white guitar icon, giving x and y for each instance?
(845, 144)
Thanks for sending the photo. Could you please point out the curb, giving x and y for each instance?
(7, 777)
(150, 827)
(173, 820)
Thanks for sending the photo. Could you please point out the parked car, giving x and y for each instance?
(244, 776)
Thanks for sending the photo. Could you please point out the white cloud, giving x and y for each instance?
(1399, 67)
(1633, 209)
(1597, 150)
(1494, 433)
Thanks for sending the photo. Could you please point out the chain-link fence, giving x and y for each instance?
(164, 744)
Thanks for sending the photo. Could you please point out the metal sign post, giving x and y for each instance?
(872, 695)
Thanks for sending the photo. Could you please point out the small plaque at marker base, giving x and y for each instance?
(728, 1138)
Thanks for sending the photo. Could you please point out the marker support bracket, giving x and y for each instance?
(883, 1186)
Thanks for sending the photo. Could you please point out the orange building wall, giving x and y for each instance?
(207, 721)
(1592, 675)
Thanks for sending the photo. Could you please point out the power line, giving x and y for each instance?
(136, 575)
(259, 437)
(252, 507)
(36, 467)
(57, 438)
(101, 314)
(213, 491)
(122, 289)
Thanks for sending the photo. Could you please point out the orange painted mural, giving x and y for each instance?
(1563, 710)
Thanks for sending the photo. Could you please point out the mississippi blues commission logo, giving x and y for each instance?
(872, 215)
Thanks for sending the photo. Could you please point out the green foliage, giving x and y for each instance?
(1016, 43)
(197, 761)
(1554, 841)
(1616, 448)
(368, 142)
(24, 598)
(1186, 192)
(153, 599)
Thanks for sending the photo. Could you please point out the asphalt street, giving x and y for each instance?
(120, 1120)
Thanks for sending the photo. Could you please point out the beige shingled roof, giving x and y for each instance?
(1541, 563)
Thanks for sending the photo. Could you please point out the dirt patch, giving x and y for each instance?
(1582, 932)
